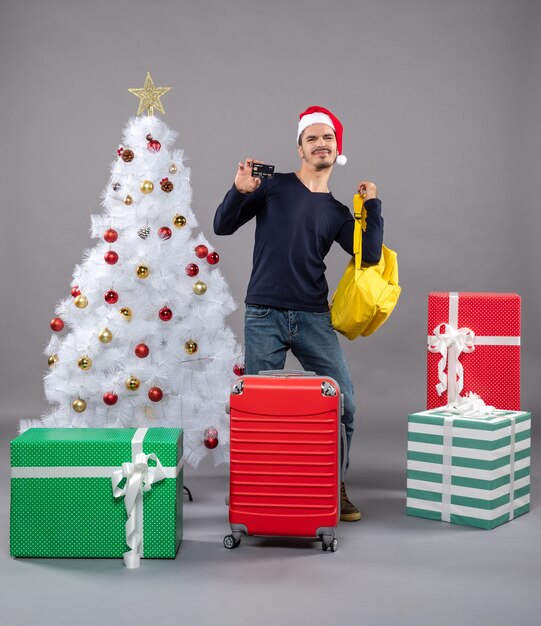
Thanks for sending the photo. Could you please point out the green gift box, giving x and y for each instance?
(94, 492)
(469, 470)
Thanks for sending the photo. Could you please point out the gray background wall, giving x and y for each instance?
(439, 100)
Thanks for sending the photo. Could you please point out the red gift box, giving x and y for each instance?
(474, 345)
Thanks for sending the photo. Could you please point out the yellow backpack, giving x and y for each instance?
(366, 294)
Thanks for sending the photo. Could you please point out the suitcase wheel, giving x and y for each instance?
(329, 543)
(230, 542)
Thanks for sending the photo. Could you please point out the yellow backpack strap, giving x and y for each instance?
(359, 212)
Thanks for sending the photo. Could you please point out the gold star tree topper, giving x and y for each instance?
(149, 96)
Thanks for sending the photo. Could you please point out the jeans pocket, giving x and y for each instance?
(256, 311)
(323, 317)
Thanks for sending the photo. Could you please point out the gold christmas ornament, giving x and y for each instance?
(126, 313)
(147, 186)
(79, 405)
(149, 96)
(190, 346)
(128, 200)
(199, 288)
(84, 362)
(172, 168)
(52, 360)
(133, 383)
(179, 221)
(81, 301)
(105, 335)
(143, 271)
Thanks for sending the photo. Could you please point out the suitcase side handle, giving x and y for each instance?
(344, 452)
(285, 373)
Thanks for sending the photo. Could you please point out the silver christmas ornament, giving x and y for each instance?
(144, 232)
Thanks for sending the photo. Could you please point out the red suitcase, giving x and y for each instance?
(285, 457)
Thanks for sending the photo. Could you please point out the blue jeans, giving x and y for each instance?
(269, 333)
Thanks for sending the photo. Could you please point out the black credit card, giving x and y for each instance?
(261, 170)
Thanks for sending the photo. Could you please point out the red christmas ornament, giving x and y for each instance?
(111, 257)
(164, 232)
(110, 398)
(211, 438)
(142, 350)
(165, 314)
(192, 269)
(213, 258)
(239, 369)
(154, 145)
(155, 394)
(110, 235)
(201, 251)
(110, 296)
(120, 150)
(75, 291)
(57, 324)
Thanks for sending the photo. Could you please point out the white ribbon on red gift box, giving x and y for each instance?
(451, 342)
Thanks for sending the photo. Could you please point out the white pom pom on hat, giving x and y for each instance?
(319, 115)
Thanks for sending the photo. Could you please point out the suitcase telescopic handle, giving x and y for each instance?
(286, 373)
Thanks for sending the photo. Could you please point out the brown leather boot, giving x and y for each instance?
(348, 511)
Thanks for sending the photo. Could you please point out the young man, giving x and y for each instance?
(297, 221)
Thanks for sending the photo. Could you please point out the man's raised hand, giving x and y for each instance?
(244, 181)
(367, 189)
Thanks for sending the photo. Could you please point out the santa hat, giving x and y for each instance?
(319, 115)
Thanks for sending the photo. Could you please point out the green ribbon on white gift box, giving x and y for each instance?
(450, 342)
(139, 478)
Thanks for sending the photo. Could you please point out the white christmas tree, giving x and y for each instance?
(142, 339)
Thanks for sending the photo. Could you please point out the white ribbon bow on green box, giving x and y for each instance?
(140, 477)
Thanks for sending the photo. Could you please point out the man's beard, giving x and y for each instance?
(321, 165)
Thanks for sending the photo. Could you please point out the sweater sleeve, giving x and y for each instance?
(237, 209)
(372, 237)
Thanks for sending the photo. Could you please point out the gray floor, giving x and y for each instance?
(389, 569)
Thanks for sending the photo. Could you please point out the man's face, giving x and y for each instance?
(318, 146)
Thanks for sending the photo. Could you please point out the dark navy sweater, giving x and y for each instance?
(295, 228)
